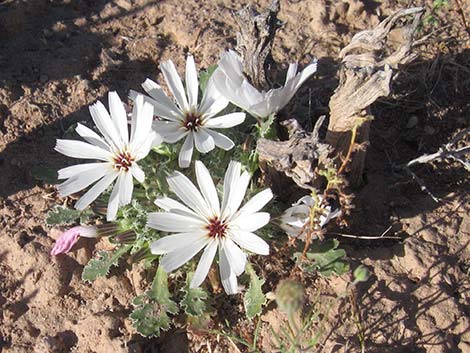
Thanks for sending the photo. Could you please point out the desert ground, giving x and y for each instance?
(58, 57)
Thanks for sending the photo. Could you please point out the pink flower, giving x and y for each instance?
(68, 238)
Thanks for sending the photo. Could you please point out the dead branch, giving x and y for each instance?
(368, 66)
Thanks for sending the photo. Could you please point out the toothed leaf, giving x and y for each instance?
(194, 298)
(100, 266)
(254, 298)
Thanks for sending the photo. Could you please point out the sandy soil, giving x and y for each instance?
(57, 57)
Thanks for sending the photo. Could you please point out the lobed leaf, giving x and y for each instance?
(193, 300)
(100, 266)
(254, 298)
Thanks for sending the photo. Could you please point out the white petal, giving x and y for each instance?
(291, 72)
(114, 200)
(92, 137)
(204, 264)
(174, 242)
(118, 115)
(95, 191)
(188, 193)
(203, 141)
(257, 202)
(138, 173)
(227, 276)
(212, 101)
(186, 152)
(237, 193)
(207, 187)
(251, 222)
(104, 123)
(220, 140)
(232, 175)
(177, 258)
(174, 84)
(74, 170)
(225, 121)
(82, 150)
(164, 106)
(176, 207)
(235, 256)
(191, 81)
(141, 150)
(83, 179)
(126, 188)
(250, 242)
(143, 125)
(170, 131)
(171, 222)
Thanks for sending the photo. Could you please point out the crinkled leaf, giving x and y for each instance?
(204, 77)
(266, 129)
(150, 315)
(99, 266)
(325, 258)
(194, 298)
(254, 298)
(61, 215)
(45, 174)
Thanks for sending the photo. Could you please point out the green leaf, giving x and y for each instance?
(266, 129)
(150, 315)
(254, 298)
(204, 77)
(61, 215)
(99, 267)
(194, 298)
(325, 258)
(45, 174)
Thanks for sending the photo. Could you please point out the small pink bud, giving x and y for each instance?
(67, 239)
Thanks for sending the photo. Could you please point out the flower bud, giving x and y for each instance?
(289, 296)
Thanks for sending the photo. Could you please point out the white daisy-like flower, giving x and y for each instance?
(204, 223)
(233, 85)
(117, 152)
(187, 118)
(296, 221)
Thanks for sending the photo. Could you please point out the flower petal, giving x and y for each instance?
(176, 207)
(207, 187)
(203, 141)
(251, 222)
(66, 241)
(171, 222)
(204, 264)
(114, 200)
(191, 81)
(250, 242)
(96, 190)
(91, 137)
(84, 179)
(126, 188)
(164, 106)
(104, 123)
(174, 84)
(236, 194)
(232, 175)
(138, 173)
(186, 152)
(188, 193)
(221, 140)
(227, 276)
(257, 202)
(82, 150)
(74, 170)
(225, 121)
(170, 131)
(177, 258)
(235, 256)
(176, 241)
(143, 124)
(212, 101)
(118, 115)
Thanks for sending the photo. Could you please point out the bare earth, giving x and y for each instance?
(57, 57)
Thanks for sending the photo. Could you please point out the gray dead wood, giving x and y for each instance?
(255, 41)
(368, 65)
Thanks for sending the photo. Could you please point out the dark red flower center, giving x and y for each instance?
(123, 161)
(216, 228)
(192, 121)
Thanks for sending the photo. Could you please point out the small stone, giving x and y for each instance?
(412, 122)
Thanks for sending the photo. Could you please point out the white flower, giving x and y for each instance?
(187, 118)
(206, 224)
(233, 85)
(296, 219)
(117, 152)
